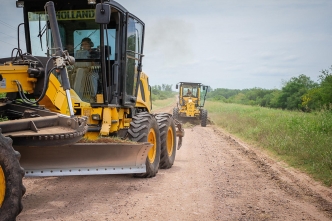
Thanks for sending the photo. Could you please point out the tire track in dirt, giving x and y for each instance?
(281, 193)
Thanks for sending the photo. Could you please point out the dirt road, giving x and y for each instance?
(215, 177)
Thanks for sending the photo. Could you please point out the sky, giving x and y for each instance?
(234, 44)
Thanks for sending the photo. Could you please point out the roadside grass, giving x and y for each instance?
(157, 104)
(303, 140)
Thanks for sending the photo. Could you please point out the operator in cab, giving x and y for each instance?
(189, 94)
(86, 48)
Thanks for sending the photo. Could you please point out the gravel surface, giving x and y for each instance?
(214, 177)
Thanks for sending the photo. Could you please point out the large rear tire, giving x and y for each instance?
(176, 113)
(204, 118)
(167, 139)
(11, 186)
(144, 128)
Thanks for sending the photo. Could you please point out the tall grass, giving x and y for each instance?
(303, 140)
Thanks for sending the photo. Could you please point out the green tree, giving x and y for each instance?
(320, 96)
(326, 87)
(168, 87)
(293, 90)
(161, 92)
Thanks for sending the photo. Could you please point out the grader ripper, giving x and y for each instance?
(59, 91)
(191, 102)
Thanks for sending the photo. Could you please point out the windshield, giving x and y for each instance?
(75, 26)
(203, 92)
(80, 36)
(189, 91)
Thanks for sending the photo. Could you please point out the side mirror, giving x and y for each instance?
(103, 13)
(177, 86)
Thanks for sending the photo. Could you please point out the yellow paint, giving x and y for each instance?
(123, 121)
(115, 120)
(100, 98)
(2, 186)
(126, 122)
(146, 101)
(55, 98)
(15, 73)
(60, 100)
(170, 141)
(106, 123)
(189, 107)
(92, 135)
(153, 151)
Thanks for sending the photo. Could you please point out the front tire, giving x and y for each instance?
(168, 140)
(11, 186)
(144, 128)
(204, 118)
(176, 113)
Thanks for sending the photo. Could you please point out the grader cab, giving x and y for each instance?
(191, 102)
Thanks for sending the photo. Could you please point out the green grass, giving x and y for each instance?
(303, 140)
(157, 104)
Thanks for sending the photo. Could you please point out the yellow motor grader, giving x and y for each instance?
(81, 76)
(191, 102)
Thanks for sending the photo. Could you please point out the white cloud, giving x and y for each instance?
(225, 43)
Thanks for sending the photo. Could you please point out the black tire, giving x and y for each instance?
(144, 128)
(11, 175)
(176, 113)
(204, 118)
(168, 140)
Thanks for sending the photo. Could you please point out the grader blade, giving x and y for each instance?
(84, 159)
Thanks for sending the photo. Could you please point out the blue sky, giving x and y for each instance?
(222, 43)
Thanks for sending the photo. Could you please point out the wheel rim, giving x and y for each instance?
(152, 139)
(170, 141)
(2, 186)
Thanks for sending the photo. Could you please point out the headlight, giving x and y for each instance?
(96, 117)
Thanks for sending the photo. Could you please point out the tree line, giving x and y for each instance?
(298, 93)
(162, 92)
